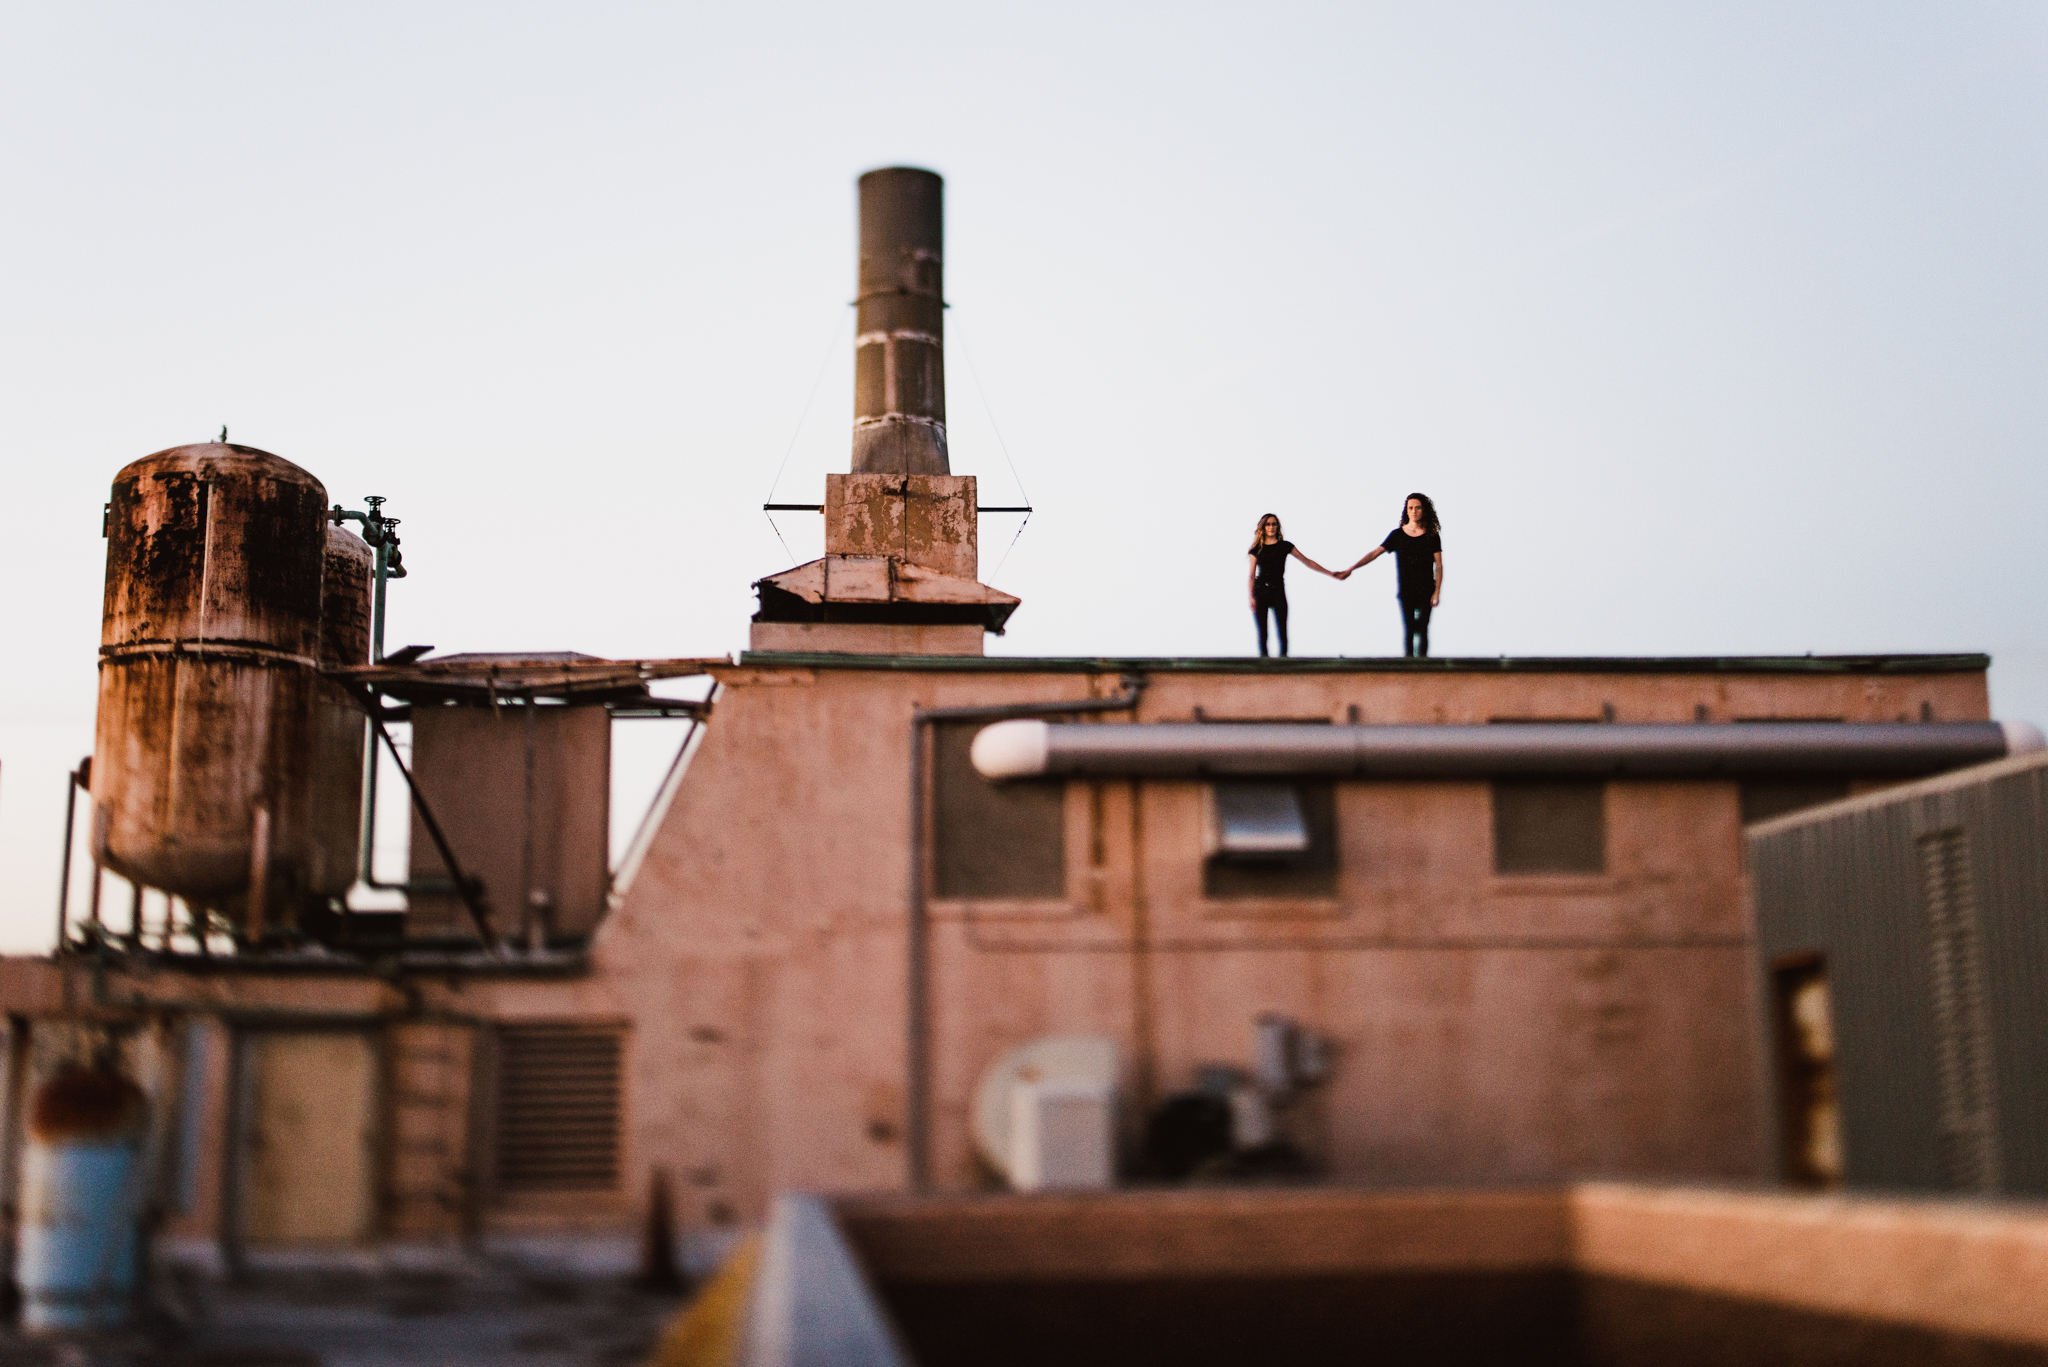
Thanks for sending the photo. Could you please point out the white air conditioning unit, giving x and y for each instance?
(1045, 1114)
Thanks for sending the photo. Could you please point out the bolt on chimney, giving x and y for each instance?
(899, 384)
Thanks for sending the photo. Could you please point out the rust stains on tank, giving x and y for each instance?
(336, 768)
(216, 544)
(204, 748)
(86, 1103)
(348, 564)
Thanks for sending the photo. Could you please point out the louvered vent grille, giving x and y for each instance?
(1968, 1116)
(558, 1108)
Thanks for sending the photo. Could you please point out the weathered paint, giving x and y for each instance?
(339, 729)
(208, 650)
(899, 377)
(82, 1199)
(1487, 1027)
(309, 1169)
(534, 832)
(927, 520)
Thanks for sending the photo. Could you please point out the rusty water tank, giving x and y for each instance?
(339, 727)
(208, 673)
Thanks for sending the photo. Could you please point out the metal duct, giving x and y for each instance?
(1033, 749)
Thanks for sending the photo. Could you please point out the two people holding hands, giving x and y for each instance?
(1418, 550)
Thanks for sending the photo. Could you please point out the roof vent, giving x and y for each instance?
(1258, 821)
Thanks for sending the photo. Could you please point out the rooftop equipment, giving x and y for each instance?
(338, 730)
(901, 530)
(210, 640)
(1039, 749)
(1045, 1114)
(81, 1200)
(899, 376)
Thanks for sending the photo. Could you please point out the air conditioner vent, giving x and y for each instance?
(558, 1108)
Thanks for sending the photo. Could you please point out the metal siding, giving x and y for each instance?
(1869, 922)
(2009, 820)
(1968, 1093)
(1848, 886)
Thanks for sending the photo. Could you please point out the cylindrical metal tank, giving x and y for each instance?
(899, 358)
(81, 1201)
(208, 672)
(338, 723)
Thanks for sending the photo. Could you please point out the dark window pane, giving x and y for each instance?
(993, 839)
(1810, 1130)
(1775, 797)
(1312, 873)
(1549, 826)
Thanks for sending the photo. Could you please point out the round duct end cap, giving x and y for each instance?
(2021, 738)
(1017, 749)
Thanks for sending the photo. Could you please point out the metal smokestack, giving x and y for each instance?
(899, 373)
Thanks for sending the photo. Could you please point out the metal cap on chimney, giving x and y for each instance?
(899, 386)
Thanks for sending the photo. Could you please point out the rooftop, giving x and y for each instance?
(1367, 664)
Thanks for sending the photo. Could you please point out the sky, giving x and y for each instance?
(1711, 330)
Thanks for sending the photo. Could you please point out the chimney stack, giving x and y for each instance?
(899, 373)
(902, 536)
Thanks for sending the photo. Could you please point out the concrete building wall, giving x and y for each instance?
(1487, 1027)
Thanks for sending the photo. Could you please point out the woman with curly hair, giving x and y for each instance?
(1418, 549)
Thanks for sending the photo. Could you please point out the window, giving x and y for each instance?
(1549, 826)
(557, 1108)
(993, 840)
(1271, 840)
(1810, 1126)
(1765, 799)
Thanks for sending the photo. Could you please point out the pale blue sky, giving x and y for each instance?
(1711, 332)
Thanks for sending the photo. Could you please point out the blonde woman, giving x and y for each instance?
(1268, 585)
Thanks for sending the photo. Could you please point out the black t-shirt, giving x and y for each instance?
(1272, 573)
(1416, 558)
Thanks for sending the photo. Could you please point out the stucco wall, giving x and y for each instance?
(1487, 1027)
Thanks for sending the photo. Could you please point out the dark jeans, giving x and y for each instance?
(1414, 627)
(1278, 607)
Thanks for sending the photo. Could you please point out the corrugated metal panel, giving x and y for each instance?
(2008, 818)
(1872, 885)
(558, 1120)
(1888, 1073)
(1967, 1110)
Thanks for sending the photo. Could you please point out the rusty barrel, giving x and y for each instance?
(210, 639)
(339, 726)
(81, 1201)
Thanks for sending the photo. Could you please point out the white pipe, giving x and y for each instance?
(1035, 749)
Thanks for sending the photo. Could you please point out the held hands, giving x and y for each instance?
(1340, 574)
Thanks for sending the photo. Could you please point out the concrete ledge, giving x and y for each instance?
(1959, 1267)
(1953, 1267)
(1207, 1234)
